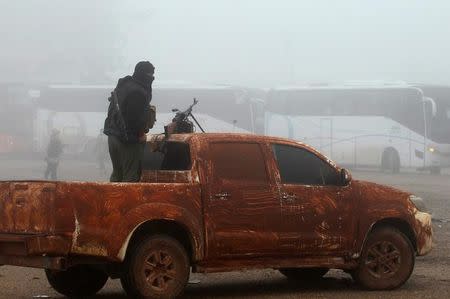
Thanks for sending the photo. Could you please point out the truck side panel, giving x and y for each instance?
(6, 209)
(28, 207)
(104, 214)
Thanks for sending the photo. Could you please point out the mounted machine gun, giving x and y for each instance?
(181, 123)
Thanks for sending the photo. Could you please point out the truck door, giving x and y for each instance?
(242, 208)
(316, 211)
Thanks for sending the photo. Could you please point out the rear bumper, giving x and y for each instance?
(37, 251)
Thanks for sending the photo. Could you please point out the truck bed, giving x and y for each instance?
(90, 218)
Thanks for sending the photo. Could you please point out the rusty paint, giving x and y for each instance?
(228, 265)
(57, 263)
(235, 220)
(161, 176)
(424, 232)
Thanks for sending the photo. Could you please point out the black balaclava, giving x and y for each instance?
(143, 73)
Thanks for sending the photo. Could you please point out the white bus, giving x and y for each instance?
(387, 126)
(79, 111)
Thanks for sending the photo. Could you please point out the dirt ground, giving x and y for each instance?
(430, 279)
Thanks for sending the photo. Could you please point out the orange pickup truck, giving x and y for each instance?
(211, 203)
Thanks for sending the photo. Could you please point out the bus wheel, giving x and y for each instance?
(435, 170)
(390, 161)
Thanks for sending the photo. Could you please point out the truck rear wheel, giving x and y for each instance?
(304, 273)
(158, 267)
(387, 260)
(78, 281)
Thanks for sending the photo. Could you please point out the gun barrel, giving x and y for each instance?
(189, 109)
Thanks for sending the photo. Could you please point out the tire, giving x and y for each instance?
(387, 260)
(77, 281)
(390, 161)
(157, 267)
(304, 273)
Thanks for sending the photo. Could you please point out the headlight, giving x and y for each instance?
(431, 149)
(419, 203)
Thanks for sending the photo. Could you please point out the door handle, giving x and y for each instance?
(222, 195)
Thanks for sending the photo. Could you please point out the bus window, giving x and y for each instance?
(229, 107)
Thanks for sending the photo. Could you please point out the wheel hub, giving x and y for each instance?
(159, 270)
(383, 259)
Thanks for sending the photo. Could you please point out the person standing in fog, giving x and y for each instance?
(127, 122)
(54, 151)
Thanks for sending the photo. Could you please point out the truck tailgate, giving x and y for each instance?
(27, 207)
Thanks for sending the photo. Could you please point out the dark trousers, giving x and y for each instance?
(126, 160)
(51, 170)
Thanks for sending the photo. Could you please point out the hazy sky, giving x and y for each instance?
(248, 42)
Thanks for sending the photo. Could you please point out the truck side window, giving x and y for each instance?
(175, 156)
(300, 166)
(242, 163)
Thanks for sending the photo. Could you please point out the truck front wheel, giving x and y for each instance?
(157, 267)
(77, 281)
(387, 260)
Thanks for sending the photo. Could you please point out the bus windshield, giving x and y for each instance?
(439, 130)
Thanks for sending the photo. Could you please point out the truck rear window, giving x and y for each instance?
(240, 163)
(174, 156)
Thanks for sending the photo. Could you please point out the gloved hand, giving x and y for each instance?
(143, 138)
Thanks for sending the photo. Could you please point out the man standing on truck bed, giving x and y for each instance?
(127, 122)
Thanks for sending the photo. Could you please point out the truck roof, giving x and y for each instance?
(245, 137)
(229, 136)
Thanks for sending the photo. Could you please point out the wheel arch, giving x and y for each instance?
(172, 228)
(400, 224)
(158, 218)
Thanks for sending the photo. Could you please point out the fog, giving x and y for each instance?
(252, 43)
(60, 60)
(359, 89)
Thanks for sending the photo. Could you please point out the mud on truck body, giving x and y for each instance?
(213, 203)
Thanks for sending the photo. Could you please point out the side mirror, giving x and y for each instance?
(346, 177)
